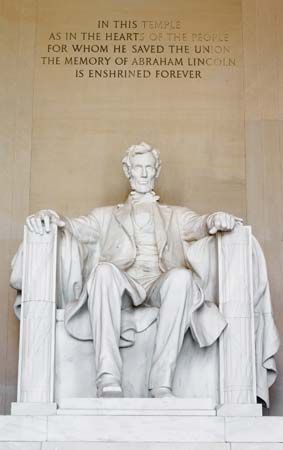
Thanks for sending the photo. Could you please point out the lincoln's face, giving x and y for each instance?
(143, 172)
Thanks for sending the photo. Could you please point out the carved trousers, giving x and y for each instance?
(173, 293)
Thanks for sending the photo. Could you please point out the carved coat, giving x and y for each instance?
(112, 229)
(109, 230)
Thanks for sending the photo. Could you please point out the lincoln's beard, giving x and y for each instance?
(142, 186)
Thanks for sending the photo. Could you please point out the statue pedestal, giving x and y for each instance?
(33, 409)
(239, 410)
(137, 406)
(139, 424)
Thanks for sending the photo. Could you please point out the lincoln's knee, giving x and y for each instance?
(104, 282)
(105, 270)
(180, 277)
(178, 287)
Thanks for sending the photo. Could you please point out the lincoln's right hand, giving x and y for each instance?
(40, 221)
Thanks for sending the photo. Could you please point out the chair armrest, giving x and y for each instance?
(237, 342)
(37, 328)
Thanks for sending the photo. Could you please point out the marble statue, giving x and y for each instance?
(134, 268)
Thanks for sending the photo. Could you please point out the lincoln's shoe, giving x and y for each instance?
(161, 392)
(110, 391)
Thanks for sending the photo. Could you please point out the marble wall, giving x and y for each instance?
(63, 137)
(17, 60)
(263, 77)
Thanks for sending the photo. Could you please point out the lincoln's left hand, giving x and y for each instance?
(221, 221)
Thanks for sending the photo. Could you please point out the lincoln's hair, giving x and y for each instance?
(139, 149)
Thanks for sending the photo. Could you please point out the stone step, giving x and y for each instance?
(124, 446)
(135, 412)
(140, 432)
(136, 428)
(137, 407)
(138, 404)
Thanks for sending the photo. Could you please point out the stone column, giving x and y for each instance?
(237, 342)
(37, 329)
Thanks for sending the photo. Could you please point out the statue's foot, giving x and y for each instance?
(161, 392)
(109, 387)
(110, 391)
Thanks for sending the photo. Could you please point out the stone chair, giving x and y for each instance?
(54, 366)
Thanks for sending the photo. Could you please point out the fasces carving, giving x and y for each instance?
(237, 343)
(37, 333)
(39, 279)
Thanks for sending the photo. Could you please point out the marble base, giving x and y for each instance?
(116, 446)
(132, 412)
(23, 428)
(100, 429)
(137, 406)
(33, 409)
(137, 446)
(239, 410)
(122, 428)
(254, 429)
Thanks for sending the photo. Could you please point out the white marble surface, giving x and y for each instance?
(136, 429)
(137, 406)
(133, 446)
(254, 429)
(140, 433)
(23, 428)
(236, 344)
(239, 410)
(33, 409)
(75, 367)
(257, 446)
(37, 329)
(21, 446)
(140, 404)
(133, 412)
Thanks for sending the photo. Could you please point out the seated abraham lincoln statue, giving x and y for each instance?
(135, 269)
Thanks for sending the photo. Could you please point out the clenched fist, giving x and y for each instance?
(221, 221)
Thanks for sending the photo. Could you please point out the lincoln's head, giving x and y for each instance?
(142, 166)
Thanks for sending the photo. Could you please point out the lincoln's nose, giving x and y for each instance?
(144, 173)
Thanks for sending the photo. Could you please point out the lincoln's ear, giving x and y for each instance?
(126, 170)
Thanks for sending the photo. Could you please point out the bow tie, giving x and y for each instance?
(149, 197)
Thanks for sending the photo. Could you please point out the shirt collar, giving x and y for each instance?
(149, 197)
